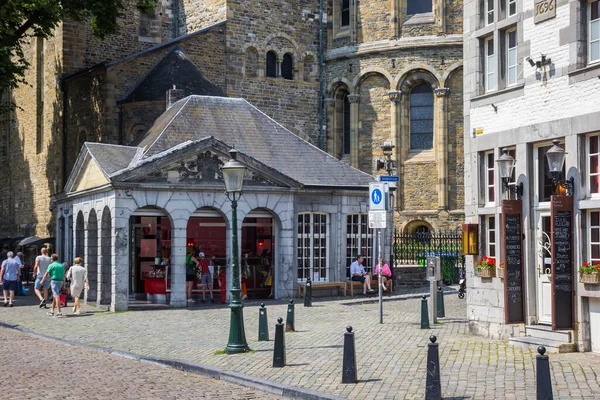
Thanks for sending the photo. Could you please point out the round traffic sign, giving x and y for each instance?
(376, 196)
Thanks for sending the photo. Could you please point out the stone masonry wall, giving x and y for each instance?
(374, 121)
(374, 19)
(198, 14)
(456, 161)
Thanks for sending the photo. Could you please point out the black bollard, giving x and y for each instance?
(349, 367)
(263, 325)
(279, 350)
(308, 294)
(424, 314)
(441, 312)
(433, 385)
(289, 321)
(543, 379)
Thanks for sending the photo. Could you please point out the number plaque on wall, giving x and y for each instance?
(543, 10)
(514, 307)
(562, 261)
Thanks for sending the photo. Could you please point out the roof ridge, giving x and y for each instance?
(168, 124)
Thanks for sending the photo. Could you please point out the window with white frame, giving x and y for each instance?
(594, 31)
(594, 236)
(490, 65)
(489, 11)
(592, 165)
(490, 194)
(511, 57)
(511, 8)
(359, 239)
(313, 245)
(490, 242)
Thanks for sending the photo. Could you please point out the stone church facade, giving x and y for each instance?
(383, 62)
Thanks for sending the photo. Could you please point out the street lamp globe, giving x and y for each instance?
(506, 164)
(556, 159)
(233, 173)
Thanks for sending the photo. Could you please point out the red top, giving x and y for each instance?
(204, 266)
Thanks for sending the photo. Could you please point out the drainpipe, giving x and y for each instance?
(121, 125)
(321, 63)
(64, 136)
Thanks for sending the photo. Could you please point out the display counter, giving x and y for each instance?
(155, 280)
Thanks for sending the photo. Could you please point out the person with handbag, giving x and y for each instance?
(78, 276)
(191, 267)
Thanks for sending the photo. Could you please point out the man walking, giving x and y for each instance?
(205, 278)
(39, 270)
(56, 274)
(9, 275)
(358, 274)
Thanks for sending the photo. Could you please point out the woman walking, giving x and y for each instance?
(78, 276)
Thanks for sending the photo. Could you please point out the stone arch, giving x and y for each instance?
(271, 64)
(251, 61)
(337, 83)
(137, 130)
(338, 141)
(105, 273)
(79, 235)
(412, 227)
(452, 70)
(358, 79)
(287, 66)
(280, 35)
(91, 258)
(413, 77)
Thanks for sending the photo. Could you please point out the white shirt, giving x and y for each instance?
(43, 262)
(355, 267)
(77, 274)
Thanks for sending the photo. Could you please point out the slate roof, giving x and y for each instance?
(240, 124)
(113, 158)
(175, 69)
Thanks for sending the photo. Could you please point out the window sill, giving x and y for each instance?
(420, 157)
(342, 32)
(498, 95)
(585, 73)
(419, 19)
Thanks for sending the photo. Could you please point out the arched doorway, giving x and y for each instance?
(206, 233)
(79, 236)
(106, 253)
(92, 256)
(257, 256)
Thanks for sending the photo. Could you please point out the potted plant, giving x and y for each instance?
(486, 267)
(589, 273)
(501, 270)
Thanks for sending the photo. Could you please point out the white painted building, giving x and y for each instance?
(532, 75)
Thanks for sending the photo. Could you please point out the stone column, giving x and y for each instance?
(395, 7)
(120, 263)
(354, 100)
(299, 71)
(177, 262)
(99, 258)
(439, 9)
(440, 132)
(395, 98)
(330, 142)
(87, 294)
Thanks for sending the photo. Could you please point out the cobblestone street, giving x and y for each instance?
(391, 357)
(37, 368)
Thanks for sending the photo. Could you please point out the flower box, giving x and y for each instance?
(500, 272)
(589, 278)
(486, 272)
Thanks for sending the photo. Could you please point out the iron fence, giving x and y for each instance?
(412, 249)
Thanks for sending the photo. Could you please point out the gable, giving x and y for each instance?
(89, 176)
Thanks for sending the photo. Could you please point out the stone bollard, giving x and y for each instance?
(433, 385)
(308, 294)
(349, 366)
(279, 349)
(263, 325)
(424, 313)
(289, 321)
(543, 378)
(441, 312)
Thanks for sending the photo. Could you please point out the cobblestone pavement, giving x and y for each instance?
(35, 368)
(391, 357)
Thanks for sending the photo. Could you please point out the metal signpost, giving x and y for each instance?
(378, 205)
(434, 274)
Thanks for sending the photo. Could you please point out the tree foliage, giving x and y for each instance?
(20, 20)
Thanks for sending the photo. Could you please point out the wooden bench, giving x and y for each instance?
(341, 286)
(374, 285)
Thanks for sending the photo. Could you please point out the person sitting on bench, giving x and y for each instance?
(386, 274)
(358, 274)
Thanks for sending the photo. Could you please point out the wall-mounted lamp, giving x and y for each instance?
(506, 165)
(470, 239)
(541, 63)
(556, 162)
(128, 192)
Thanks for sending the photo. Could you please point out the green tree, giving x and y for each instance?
(22, 19)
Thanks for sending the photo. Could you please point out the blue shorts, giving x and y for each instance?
(9, 285)
(38, 286)
(56, 286)
(358, 279)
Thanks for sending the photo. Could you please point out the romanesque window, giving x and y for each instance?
(421, 117)
(345, 13)
(40, 94)
(418, 7)
(313, 246)
(271, 64)
(359, 239)
(594, 32)
(287, 67)
(346, 124)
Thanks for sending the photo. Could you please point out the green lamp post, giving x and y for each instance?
(233, 175)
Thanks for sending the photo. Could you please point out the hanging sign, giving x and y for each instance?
(561, 208)
(514, 306)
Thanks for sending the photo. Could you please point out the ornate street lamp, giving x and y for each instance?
(506, 165)
(233, 175)
(556, 162)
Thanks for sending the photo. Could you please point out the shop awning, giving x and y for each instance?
(35, 241)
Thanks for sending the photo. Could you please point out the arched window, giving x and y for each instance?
(421, 117)
(418, 6)
(346, 124)
(272, 64)
(287, 66)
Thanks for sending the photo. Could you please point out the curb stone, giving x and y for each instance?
(267, 386)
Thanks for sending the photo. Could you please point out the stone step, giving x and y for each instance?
(546, 332)
(552, 346)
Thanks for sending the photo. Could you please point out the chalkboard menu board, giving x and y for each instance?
(562, 261)
(514, 310)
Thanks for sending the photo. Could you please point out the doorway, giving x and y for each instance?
(543, 268)
(257, 263)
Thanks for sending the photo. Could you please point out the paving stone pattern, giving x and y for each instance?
(36, 368)
(391, 357)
